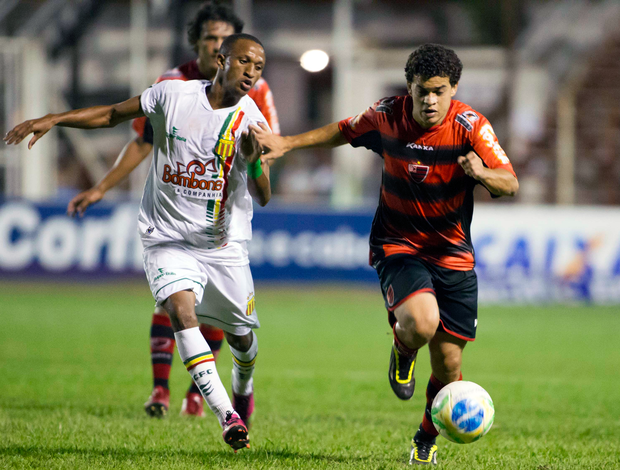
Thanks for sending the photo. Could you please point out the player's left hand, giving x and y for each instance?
(472, 165)
(250, 148)
(38, 127)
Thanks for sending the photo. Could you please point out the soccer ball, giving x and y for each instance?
(463, 412)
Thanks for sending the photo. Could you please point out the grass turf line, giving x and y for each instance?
(75, 373)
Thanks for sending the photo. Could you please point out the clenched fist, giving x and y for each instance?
(472, 165)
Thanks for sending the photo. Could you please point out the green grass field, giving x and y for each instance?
(75, 373)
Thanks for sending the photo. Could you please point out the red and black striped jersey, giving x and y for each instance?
(426, 203)
(260, 93)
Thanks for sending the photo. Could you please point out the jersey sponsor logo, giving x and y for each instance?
(467, 119)
(175, 136)
(413, 145)
(385, 106)
(390, 296)
(487, 134)
(188, 181)
(163, 273)
(418, 172)
(150, 230)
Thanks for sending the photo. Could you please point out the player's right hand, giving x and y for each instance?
(38, 127)
(82, 201)
(273, 145)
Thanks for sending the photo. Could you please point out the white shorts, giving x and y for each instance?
(224, 294)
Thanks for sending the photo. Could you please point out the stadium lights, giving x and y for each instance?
(314, 60)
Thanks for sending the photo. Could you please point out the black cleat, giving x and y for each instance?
(401, 373)
(423, 451)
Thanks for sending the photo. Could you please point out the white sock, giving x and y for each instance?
(243, 368)
(198, 359)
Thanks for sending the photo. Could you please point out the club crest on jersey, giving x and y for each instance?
(225, 148)
(418, 172)
(467, 119)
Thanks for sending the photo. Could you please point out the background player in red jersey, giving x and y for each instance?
(435, 151)
(212, 24)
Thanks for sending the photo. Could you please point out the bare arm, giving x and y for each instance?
(327, 136)
(86, 118)
(498, 181)
(259, 184)
(130, 157)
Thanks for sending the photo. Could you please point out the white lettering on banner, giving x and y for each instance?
(24, 219)
(60, 243)
(341, 249)
(57, 243)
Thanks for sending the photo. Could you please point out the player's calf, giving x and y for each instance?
(242, 381)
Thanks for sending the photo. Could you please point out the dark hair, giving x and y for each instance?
(433, 60)
(212, 11)
(229, 42)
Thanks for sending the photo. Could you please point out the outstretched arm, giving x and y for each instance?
(259, 185)
(276, 146)
(86, 118)
(130, 157)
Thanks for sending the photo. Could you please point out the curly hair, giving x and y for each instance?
(211, 11)
(433, 60)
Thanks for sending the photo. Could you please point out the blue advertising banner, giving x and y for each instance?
(523, 253)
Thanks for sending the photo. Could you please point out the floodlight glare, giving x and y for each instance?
(314, 60)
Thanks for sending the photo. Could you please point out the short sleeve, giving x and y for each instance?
(484, 142)
(151, 100)
(363, 130)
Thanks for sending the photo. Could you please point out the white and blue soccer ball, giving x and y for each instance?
(463, 412)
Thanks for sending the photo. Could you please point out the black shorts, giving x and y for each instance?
(403, 276)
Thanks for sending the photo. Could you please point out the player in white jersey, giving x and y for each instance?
(196, 211)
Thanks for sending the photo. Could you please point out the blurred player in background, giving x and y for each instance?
(196, 211)
(435, 151)
(213, 23)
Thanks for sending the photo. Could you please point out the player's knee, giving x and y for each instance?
(421, 322)
(241, 343)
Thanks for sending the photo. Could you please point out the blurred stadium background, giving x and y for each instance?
(545, 73)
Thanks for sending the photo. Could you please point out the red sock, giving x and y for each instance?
(162, 348)
(402, 349)
(432, 389)
(214, 337)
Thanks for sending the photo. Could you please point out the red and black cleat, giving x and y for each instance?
(158, 403)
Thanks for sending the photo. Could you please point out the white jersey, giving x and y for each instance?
(196, 191)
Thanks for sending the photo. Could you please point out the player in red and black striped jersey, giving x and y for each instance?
(435, 151)
(212, 24)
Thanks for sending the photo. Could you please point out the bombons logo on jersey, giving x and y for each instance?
(190, 181)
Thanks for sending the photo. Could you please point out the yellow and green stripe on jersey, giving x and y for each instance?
(225, 151)
(201, 358)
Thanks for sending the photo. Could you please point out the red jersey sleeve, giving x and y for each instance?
(485, 144)
(363, 130)
(262, 96)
